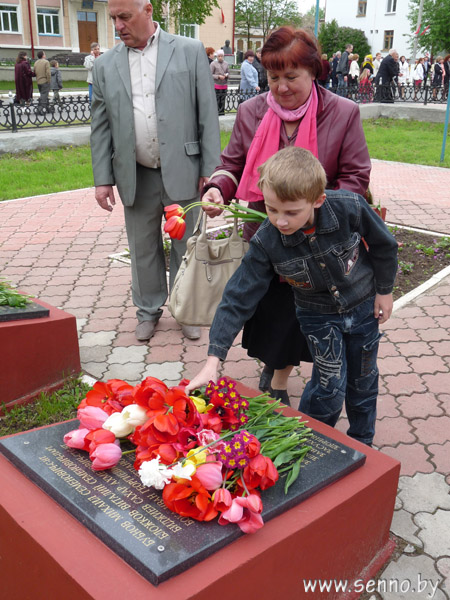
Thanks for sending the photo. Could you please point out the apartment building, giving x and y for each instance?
(384, 22)
(67, 26)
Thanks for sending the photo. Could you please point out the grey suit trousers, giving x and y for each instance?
(143, 224)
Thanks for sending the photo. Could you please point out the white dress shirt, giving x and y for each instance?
(143, 82)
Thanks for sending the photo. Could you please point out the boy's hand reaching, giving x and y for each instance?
(383, 307)
(207, 374)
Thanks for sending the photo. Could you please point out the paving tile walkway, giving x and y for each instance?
(57, 247)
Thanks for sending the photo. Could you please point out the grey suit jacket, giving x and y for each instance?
(186, 110)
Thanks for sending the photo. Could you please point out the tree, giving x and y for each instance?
(435, 16)
(182, 11)
(333, 38)
(264, 16)
(309, 18)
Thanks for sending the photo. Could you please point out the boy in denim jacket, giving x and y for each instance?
(314, 240)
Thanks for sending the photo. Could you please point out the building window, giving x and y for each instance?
(388, 39)
(9, 22)
(48, 21)
(391, 6)
(362, 7)
(188, 30)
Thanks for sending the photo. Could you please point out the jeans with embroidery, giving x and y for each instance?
(344, 348)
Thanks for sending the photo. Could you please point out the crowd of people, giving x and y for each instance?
(383, 79)
(364, 80)
(48, 78)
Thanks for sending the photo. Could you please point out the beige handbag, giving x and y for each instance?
(204, 271)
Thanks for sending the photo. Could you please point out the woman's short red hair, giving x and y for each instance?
(288, 47)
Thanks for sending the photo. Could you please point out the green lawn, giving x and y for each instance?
(34, 173)
(9, 85)
(406, 141)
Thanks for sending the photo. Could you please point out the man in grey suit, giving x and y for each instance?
(155, 135)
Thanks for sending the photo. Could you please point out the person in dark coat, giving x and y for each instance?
(334, 66)
(386, 73)
(446, 74)
(23, 78)
(326, 70)
(262, 73)
(438, 75)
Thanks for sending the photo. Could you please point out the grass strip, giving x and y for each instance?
(69, 168)
(48, 408)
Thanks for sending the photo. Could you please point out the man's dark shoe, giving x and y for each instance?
(145, 330)
(191, 332)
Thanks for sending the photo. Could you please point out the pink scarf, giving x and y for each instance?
(266, 142)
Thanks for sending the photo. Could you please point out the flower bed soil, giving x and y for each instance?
(420, 256)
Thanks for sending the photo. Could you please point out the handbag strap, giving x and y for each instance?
(234, 241)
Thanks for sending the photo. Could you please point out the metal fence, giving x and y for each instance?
(69, 110)
(76, 110)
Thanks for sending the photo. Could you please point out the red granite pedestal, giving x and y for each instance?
(341, 533)
(37, 355)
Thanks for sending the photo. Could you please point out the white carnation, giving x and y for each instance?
(154, 474)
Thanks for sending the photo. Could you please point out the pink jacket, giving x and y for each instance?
(341, 143)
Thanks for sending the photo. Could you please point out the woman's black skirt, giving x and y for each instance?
(273, 333)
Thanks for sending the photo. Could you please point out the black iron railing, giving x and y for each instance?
(76, 109)
(69, 110)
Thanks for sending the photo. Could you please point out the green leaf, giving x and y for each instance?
(283, 458)
(292, 475)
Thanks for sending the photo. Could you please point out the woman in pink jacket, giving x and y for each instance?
(296, 111)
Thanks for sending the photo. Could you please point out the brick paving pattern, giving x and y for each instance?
(57, 248)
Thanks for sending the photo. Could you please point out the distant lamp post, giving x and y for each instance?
(316, 22)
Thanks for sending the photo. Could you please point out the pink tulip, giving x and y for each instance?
(222, 499)
(92, 417)
(76, 439)
(105, 456)
(245, 512)
(210, 475)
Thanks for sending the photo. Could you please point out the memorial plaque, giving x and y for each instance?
(30, 311)
(132, 519)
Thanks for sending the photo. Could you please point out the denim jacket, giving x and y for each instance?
(330, 270)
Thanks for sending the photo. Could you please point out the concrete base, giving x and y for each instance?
(340, 533)
(37, 355)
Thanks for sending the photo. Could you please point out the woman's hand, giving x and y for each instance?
(213, 195)
(207, 374)
(383, 307)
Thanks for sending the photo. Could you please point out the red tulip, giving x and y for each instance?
(189, 499)
(260, 472)
(175, 227)
(99, 436)
(173, 210)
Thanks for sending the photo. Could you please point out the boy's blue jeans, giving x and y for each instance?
(344, 348)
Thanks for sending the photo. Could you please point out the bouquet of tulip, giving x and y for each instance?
(211, 453)
(175, 215)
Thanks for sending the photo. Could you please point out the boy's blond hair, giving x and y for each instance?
(293, 173)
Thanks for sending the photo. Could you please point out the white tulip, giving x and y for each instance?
(117, 425)
(134, 415)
